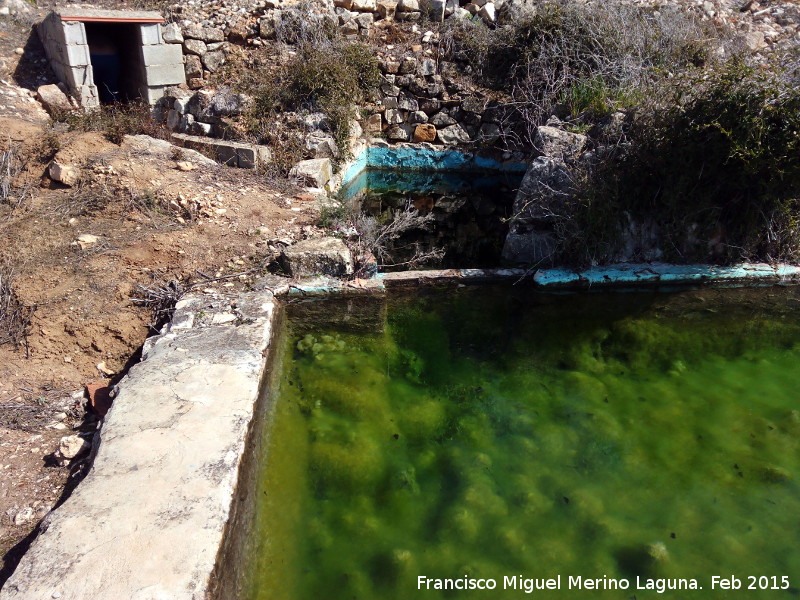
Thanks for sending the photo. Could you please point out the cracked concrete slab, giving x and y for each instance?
(147, 522)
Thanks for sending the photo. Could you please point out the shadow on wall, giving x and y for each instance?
(33, 69)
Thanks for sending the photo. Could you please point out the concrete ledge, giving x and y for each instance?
(148, 521)
(232, 154)
(663, 273)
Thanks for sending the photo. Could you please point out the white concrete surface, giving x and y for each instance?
(147, 522)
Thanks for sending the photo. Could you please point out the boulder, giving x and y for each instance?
(315, 172)
(373, 123)
(72, 446)
(488, 13)
(365, 20)
(206, 34)
(53, 99)
(394, 116)
(558, 143)
(322, 145)
(424, 133)
(426, 67)
(387, 8)
(405, 102)
(474, 105)
(452, 135)
(442, 119)
(171, 34)
(408, 6)
(364, 5)
(398, 133)
(193, 46)
(488, 134)
(318, 256)
(529, 246)
(66, 174)
(266, 28)
(213, 60)
(544, 190)
(409, 65)
(193, 66)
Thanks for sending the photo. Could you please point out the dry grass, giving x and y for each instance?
(15, 317)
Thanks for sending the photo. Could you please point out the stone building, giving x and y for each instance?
(104, 56)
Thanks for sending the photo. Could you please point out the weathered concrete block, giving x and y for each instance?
(226, 154)
(75, 77)
(74, 33)
(153, 94)
(247, 157)
(150, 33)
(163, 75)
(318, 256)
(92, 546)
(87, 96)
(162, 54)
(78, 55)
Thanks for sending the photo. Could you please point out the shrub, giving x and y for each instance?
(565, 52)
(328, 78)
(116, 121)
(714, 165)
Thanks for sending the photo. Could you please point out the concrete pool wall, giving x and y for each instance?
(420, 157)
(168, 482)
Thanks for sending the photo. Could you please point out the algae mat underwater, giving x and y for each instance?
(642, 438)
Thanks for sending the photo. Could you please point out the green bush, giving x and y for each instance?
(330, 78)
(715, 165)
(587, 57)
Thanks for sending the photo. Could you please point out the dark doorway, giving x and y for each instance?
(115, 52)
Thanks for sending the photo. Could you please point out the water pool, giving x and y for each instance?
(491, 433)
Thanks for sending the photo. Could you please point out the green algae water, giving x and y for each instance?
(497, 435)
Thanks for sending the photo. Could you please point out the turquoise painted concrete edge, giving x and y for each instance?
(620, 275)
(665, 273)
(422, 158)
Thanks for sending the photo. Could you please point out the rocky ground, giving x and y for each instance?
(82, 255)
(92, 259)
